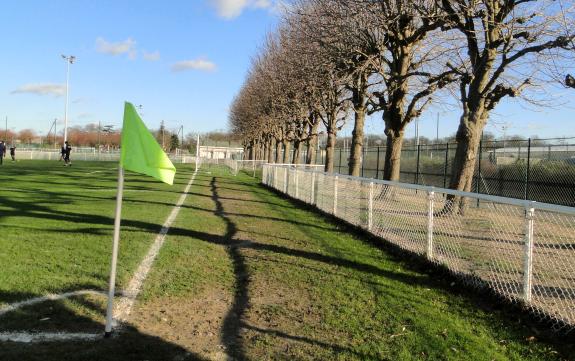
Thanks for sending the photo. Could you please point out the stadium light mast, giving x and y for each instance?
(69, 60)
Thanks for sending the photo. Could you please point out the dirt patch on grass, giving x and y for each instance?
(194, 324)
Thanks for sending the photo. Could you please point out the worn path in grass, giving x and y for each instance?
(245, 274)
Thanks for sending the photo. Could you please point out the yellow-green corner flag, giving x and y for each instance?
(140, 152)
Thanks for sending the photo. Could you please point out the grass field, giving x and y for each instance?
(244, 274)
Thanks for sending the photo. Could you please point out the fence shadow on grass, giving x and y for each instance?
(439, 277)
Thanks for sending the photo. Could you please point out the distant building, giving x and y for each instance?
(213, 152)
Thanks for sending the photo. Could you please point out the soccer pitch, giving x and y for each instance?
(244, 274)
(56, 236)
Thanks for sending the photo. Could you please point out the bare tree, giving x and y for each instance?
(508, 46)
(408, 68)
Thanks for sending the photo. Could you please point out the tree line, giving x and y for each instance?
(335, 61)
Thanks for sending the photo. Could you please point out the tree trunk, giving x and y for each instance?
(355, 157)
(468, 137)
(264, 152)
(271, 146)
(392, 164)
(330, 150)
(359, 107)
(312, 143)
(298, 149)
(287, 148)
(278, 151)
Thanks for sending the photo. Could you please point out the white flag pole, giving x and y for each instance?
(112, 284)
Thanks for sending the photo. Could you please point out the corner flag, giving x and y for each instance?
(140, 153)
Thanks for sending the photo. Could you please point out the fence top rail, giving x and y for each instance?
(295, 165)
(485, 197)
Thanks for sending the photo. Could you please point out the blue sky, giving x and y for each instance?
(183, 60)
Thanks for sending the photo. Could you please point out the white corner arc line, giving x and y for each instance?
(124, 305)
(50, 297)
(28, 337)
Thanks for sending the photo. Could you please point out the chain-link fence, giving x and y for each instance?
(538, 170)
(522, 250)
(254, 167)
(87, 156)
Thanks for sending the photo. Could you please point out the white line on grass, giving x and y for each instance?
(51, 297)
(110, 190)
(124, 306)
(26, 337)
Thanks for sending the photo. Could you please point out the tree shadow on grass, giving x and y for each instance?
(234, 321)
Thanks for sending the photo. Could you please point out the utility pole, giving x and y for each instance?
(6, 130)
(162, 129)
(181, 130)
(52, 125)
(55, 132)
(69, 60)
(99, 127)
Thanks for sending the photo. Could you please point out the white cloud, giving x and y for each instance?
(127, 46)
(229, 9)
(42, 89)
(155, 56)
(198, 64)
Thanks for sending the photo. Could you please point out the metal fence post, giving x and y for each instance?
(430, 206)
(370, 207)
(417, 166)
(363, 159)
(286, 179)
(528, 170)
(339, 165)
(335, 195)
(377, 165)
(528, 254)
(445, 165)
(478, 176)
(296, 184)
(312, 188)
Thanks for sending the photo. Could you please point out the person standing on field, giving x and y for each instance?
(12, 152)
(67, 150)
(2, 151)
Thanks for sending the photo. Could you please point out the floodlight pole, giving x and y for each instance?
(69, 60)
(116, 241)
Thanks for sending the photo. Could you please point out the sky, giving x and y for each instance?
(182, 60)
